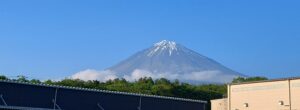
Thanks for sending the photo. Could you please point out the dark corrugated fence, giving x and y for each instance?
(30, 96)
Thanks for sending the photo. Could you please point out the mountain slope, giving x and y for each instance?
(173, 61)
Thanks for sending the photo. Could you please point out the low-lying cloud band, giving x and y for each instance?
(105, 75)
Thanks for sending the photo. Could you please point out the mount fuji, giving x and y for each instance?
(165, 59)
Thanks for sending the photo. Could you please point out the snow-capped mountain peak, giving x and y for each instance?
(173, 61)
(165, 59)
(166, 43)
(163, 45)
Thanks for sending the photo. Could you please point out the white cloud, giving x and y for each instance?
(208, 76)
(203, 76)
(91, 74)
(137, 74)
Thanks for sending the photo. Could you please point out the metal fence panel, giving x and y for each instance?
(54, 97)
(89, 100)
(166, 104)
(26, 95)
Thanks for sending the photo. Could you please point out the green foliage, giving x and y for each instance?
(36, 81)
(22, 79)
(147, 85)
(118, 85)
(48, 81)
(3, 77)
(71, 82)
(248, 79)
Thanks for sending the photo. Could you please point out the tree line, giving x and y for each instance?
(147, 85)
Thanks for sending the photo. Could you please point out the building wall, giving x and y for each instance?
(219, 104)
(261, 96)
(295, 94)
(270, 95)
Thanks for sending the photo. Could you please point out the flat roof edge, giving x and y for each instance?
(271, 80)
(219, 99)
(22, 108)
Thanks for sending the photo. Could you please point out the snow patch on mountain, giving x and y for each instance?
(164, 45)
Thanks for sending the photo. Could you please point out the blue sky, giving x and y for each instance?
(57, 38)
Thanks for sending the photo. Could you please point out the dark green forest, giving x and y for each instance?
(162, 87)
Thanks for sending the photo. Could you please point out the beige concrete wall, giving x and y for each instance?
(219, 104)
(295, 94)
(260, 96)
